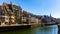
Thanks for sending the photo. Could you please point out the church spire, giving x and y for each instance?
(50, 14)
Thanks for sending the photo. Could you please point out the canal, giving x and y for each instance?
(53, 29)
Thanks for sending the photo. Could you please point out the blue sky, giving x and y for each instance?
(38, 7)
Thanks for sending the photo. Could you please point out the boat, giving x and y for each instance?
(51, 24)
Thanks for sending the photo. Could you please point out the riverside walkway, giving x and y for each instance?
(35, 24)
(4, 25)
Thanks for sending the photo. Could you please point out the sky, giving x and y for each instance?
(38, 7)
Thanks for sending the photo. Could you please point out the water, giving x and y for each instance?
(53, 29)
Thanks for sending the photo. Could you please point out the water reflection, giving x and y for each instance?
(53, 29)
(48, 30)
